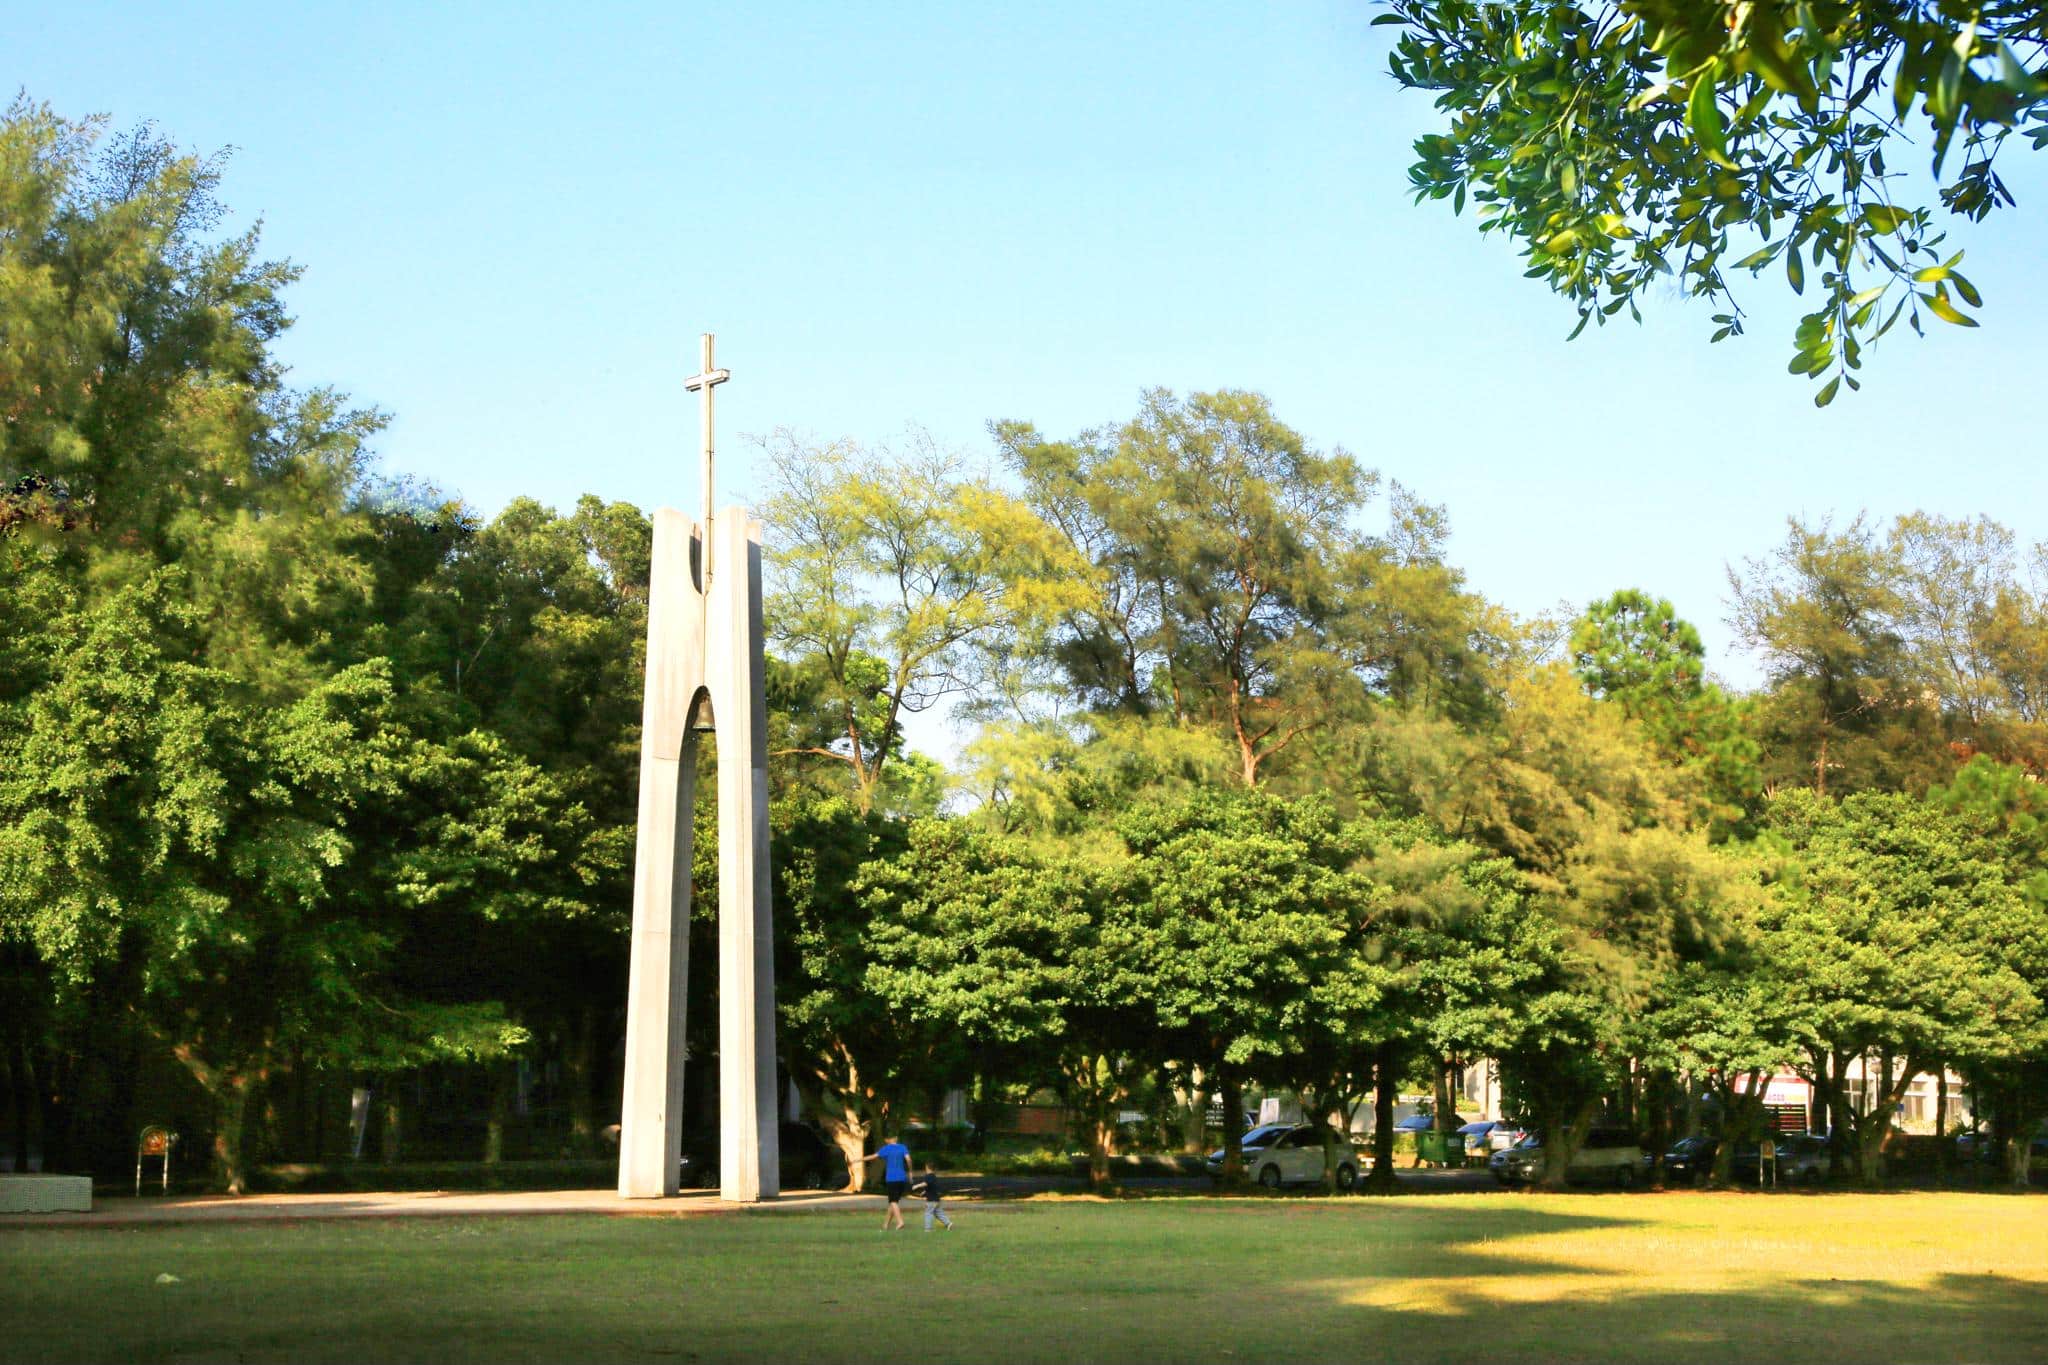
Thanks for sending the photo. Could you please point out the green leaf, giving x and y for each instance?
(1584, 318)
(1906, 81)
(1966, 289)
(1875, 291)
(1947, 311)
(1944, 102)
(1827, 392)
(1703, 116)
(1883, 217)
(1643, 100)
(1795, 271)
(1930, 275)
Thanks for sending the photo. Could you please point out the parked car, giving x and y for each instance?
(1982, 1148)
(1277, 1154)
(1422, 1123)
(1520, 1164)
(806, 1160)
(1804, 1159)
(1255, 1141)
(1690, 1160)
(1491, 1135)
(1609, 1156)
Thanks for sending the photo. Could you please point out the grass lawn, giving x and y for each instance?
(1861, 1278)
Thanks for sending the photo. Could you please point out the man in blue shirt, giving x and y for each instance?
(895, 1159)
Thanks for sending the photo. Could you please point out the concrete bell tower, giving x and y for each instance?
(704, 674)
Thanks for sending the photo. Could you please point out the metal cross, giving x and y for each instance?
(701, 384)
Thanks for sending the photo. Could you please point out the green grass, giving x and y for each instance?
(1671, 1278)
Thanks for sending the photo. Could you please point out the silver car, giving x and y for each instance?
(1608, 1156)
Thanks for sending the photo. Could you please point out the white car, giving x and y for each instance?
(1290, 1154)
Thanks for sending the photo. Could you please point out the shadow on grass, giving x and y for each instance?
(1551, 1312)
(1679, 1303)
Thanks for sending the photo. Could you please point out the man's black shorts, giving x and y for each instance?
(896, 1189)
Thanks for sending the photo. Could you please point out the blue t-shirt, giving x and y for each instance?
(895, 1161)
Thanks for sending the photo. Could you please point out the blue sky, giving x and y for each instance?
(515, 223)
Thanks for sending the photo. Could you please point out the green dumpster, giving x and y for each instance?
(1440, 1148)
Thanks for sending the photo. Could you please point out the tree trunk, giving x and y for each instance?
(21, 1090)
(845, 1105)
(1385, 1076)
(578, 1069)
(501, 1107)
(1233, 1126)
(1101, 1146)
(850, 1135)
(231, 1114)
(1941, 1145)
(1445, 1110)
(1828, 1072)
(1093, 1087)
(2015, 1130)
(1742, 1110)
(1657, 1093)
(1195, 1113)
(388, 1137)
(230, 1091)
(1562, 1138)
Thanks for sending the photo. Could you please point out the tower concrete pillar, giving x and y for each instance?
(705, 672)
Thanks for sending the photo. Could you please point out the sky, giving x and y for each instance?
(515, 221)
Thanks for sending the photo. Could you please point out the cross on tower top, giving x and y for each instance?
(701, 384)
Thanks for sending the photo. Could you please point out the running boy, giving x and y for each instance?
(933, 1192)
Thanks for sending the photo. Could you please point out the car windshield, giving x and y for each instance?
(1529, 1143)
(1484, 1126)
(1259, 1137)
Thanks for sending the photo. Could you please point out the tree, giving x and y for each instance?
(1449, 975)
(206, 854)
(1233, 590)
(996, 957)
(1637, 652)
(1843, 712)
(1629, 142)
(1722, 1022)
(843, 1050)
(2005, 806)
(1893, 654)
(1240, 919)
(1974, 623)
(146, 422)
(517, 649)
(1892, 935)
(897, 581)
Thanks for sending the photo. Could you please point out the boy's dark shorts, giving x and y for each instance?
(896, 1189)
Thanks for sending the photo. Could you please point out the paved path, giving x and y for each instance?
(127, 1211)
